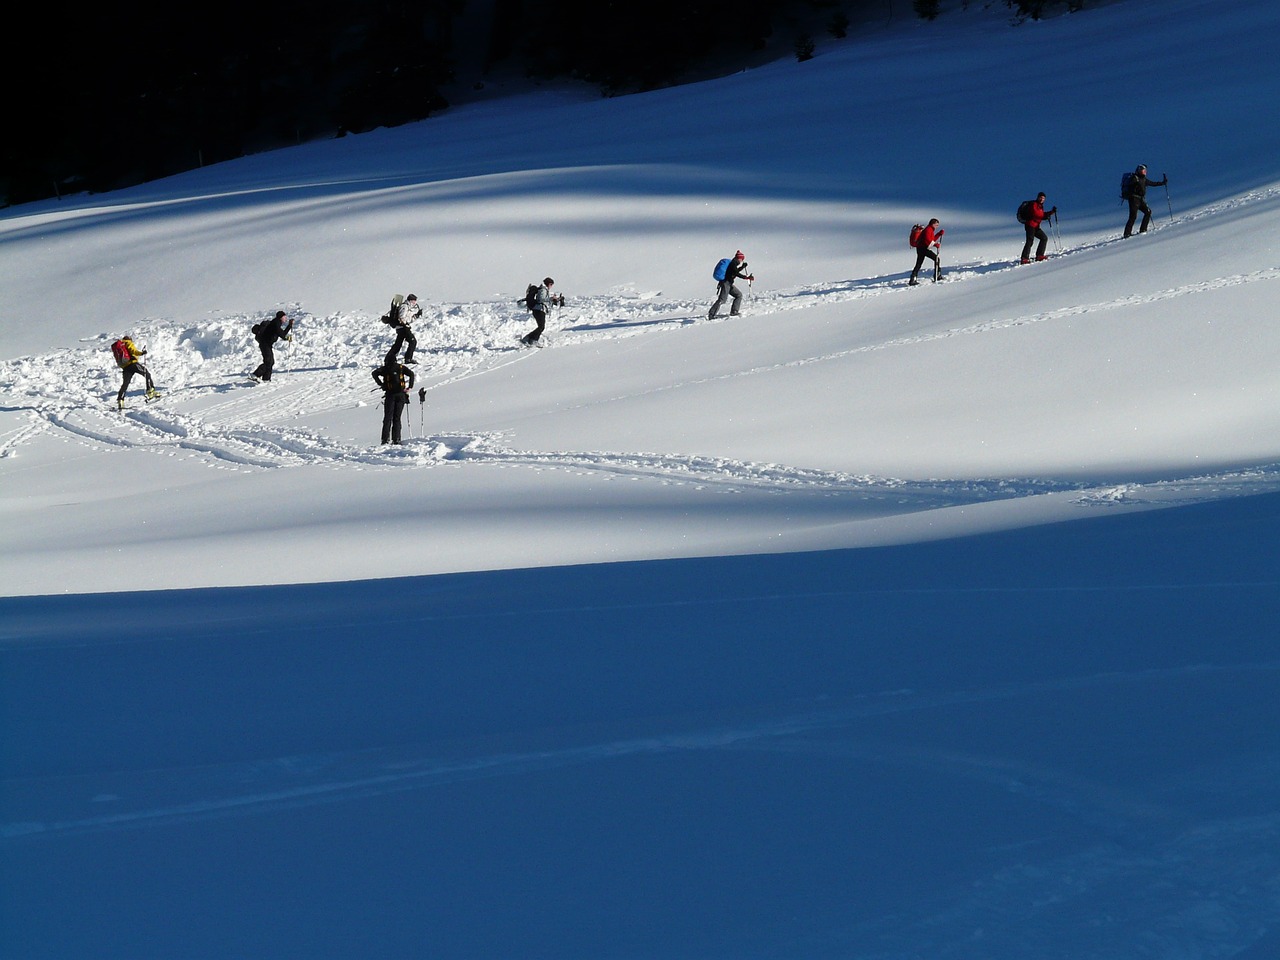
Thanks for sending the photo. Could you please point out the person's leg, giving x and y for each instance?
(412, 342)
(722, 294)
(737, 300)
(920, 252)
(387, 414)
(1044, 242)
(1146, 217)
(1133, 215)
(1026, 247)
(268, 361)
(397, 410)
(540, 319)
(128, 375)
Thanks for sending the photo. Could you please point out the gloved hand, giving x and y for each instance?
(752, 278)
(289, 337)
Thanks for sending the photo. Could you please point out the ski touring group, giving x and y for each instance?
(395, 378)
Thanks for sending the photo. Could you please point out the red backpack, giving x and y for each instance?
(916, 230)
(120, 351)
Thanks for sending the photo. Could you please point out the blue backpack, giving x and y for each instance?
(722, 269)
(1126, 185)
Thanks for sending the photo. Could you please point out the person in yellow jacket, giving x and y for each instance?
(127, 353)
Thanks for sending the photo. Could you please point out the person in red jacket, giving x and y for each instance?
(930, 236)
(1036, 214)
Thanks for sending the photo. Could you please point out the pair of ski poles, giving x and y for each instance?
(422, 415)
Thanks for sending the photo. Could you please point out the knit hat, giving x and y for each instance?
(739, 256)
(412, 296)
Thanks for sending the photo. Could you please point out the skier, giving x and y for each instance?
(726, 287)
(267, 333)
(1035, 216)
(930, 236)
(542, 300)
(1137, 198)
(406, 313)
(395, 379)
(127, 353)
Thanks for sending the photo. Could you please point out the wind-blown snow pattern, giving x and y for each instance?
(880, 621)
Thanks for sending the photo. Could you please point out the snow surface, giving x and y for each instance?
(878, 622)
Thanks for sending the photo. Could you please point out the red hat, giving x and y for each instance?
(739, 256)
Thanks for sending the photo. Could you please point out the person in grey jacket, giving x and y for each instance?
(543, 300)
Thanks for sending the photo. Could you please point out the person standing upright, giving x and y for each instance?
(406, 313)
(1032, 213)
(726, 288)
(930, 236)
(1137, 197)
(279, 327)
(126, 353)
(396, 380)
(543, 300)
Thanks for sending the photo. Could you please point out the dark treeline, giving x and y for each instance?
(113, 97)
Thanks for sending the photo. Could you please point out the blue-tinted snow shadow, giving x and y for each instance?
(799, 755)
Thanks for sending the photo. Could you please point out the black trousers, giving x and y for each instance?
(268, 360)
(128, 372)
(540, 318)
(404, 335)
(1136, 204)
(921, 253)
(392, 407)
(1032, 235)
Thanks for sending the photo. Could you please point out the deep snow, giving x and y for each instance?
(942, 629)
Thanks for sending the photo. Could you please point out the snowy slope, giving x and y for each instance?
(936, 622)
(1144, 368)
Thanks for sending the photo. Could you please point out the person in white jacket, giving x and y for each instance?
(406, 313)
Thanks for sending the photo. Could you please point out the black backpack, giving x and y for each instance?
(1024, 210)
(1126, 184)
(531, 296)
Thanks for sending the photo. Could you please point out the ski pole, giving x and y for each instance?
(1167, 201)
(422, 408)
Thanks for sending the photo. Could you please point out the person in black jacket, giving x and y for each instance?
(1138, 199)
(395, 379)
(279, 327)
(726, 287)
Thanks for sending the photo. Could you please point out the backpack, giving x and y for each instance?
(722, 269)
(916, 230)
(530, 299)
(121, 353)
(393, 377)
(1126, 184)
(392, 316)
(1024, 210)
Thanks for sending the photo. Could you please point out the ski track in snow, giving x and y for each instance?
(210, 409)
(252, 786)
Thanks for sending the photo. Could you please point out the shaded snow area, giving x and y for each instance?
(880, 622)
